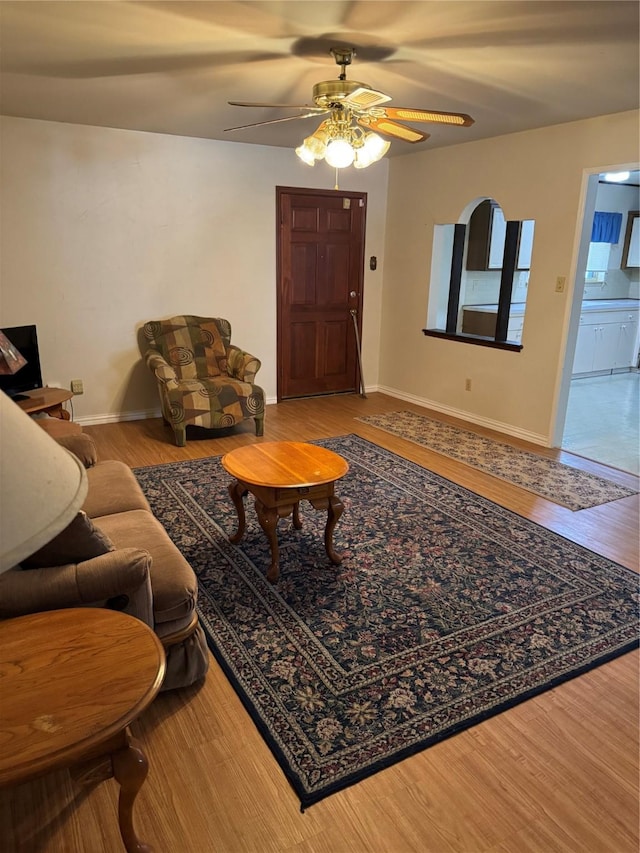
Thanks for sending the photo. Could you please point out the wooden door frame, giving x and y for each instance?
(280, 191)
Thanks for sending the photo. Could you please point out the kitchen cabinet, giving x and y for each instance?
(631, 245)
(487, 230)
(514, 329)
(497, 237)
(626, 354)
(487, 233)
(481, 320)
(606, 341)
(525, 246)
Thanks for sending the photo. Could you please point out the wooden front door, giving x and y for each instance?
(320, 272)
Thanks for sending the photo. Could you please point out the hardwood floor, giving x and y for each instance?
(556, 773)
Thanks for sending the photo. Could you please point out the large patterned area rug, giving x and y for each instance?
(562, 484)
(446, 610)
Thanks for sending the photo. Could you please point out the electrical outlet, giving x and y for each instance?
(560, 283)
(467, 385)
(77, 386)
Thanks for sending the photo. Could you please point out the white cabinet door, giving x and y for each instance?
(498, 237)
(585, 348)
(626, 355)
(609, 343)
(633, 255)
(604, 355)
(526, 244)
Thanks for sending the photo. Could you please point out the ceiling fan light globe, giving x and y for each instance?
(317, 144)
(339, 154)
(305, 154)
(363, 158)
(375, 146)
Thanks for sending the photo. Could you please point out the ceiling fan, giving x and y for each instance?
(349, 103)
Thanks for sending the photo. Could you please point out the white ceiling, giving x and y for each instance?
(171, 67)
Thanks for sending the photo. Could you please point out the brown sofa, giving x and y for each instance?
(144, 574)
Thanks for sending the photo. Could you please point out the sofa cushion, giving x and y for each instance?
(81, 540)
(112, 489)
(173, 581)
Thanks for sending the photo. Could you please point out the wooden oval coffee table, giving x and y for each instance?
(279, 474)
(72, 681)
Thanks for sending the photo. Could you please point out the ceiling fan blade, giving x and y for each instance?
(127, 66)
(392, 128)
(318, 110)
(275, 120)
(406, 114)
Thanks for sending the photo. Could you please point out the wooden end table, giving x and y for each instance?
(279, 474)
(71, 681)
(47, 400)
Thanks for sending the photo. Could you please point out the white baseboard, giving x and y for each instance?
(118, 417)
(488, 423)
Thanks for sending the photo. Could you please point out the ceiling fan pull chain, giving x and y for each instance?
(336, 186)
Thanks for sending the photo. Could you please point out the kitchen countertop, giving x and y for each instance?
(517, 308)
(609, 304)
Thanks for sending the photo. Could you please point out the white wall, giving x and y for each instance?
(101, 230)
(538, 175)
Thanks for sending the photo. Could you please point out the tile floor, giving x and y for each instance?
(603, 420)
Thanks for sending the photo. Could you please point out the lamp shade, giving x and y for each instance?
(42, 485)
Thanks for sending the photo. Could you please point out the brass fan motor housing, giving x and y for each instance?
(332, 92)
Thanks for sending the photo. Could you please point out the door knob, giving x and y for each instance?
(353, 294)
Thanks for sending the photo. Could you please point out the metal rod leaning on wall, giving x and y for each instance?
(354, 314)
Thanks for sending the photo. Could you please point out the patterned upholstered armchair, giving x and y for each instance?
(203, 379)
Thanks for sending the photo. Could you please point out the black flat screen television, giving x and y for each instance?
(25, 340)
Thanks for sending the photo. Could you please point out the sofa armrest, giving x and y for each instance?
(82, 446)
(160, 366)
(116, 573)
(242, 365)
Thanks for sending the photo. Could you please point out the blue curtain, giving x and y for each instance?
(606, 227)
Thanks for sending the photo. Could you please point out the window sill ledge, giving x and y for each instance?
(473, 339)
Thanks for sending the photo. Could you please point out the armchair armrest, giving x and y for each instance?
(242, 365)
(120, 572)
(82, 446)
(160, 366)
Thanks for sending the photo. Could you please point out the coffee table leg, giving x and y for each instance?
(334, 511)
(237, 492)
(130, 768)
(268, 518)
